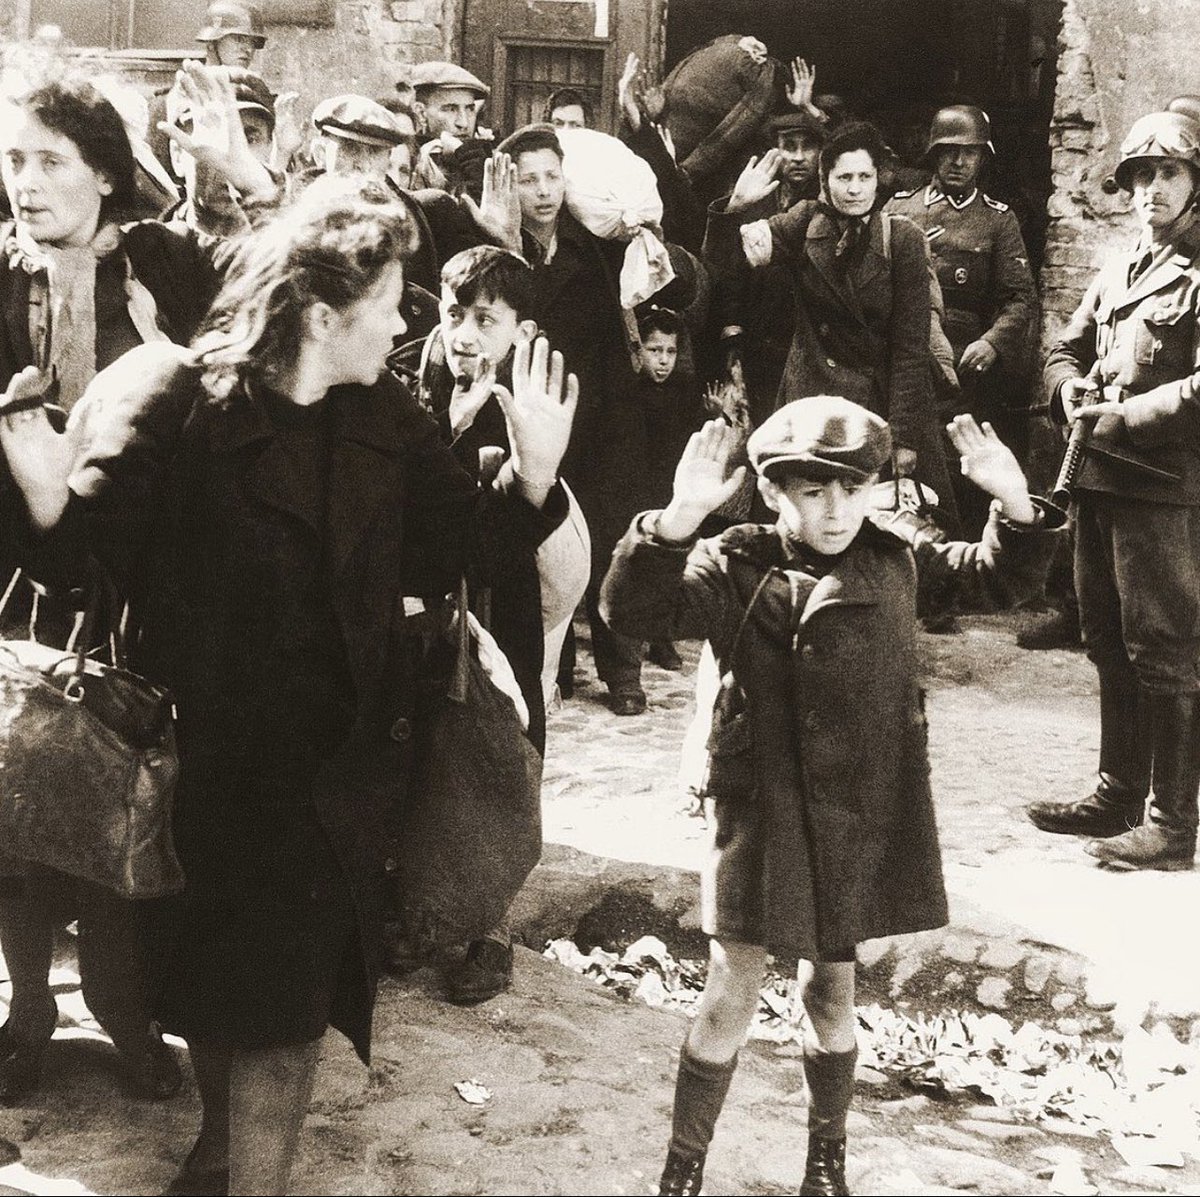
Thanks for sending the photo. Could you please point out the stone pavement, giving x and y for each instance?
(1034, 921)
(578, 1081)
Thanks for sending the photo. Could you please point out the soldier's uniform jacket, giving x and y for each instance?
(982, 266)
(1142, 338)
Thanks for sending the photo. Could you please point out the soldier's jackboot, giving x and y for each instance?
(1167, 841)
(1117, 805)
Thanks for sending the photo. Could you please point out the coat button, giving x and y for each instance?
(812, 721)
(401, 730)
(831, 363)
(390, 865)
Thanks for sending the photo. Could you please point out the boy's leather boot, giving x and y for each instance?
(700, 1089)
(825, 1168)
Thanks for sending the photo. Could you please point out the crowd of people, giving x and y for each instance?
(290, 384)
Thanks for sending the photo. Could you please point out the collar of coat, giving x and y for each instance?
(853, 580)
(934, 195)
(1167, 267)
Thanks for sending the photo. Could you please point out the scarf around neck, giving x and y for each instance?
(62, 305)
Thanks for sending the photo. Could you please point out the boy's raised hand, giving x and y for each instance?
(990, 464)
(498, 213)
(701, 484)
(539, 411)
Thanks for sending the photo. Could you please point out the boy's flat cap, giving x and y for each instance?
(357, 118)
(825, 436)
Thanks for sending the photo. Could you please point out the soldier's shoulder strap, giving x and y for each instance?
(906, 194)
(999, 205)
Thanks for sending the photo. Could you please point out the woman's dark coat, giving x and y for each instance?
(842, 840)
(861, 331)
(215, 540)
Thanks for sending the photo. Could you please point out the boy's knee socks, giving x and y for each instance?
(830, 1077)
(700, 1090)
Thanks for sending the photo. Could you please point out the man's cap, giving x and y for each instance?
(226, 17)
(797, 122)
(426, 76)
(357, 118)
(825, 436)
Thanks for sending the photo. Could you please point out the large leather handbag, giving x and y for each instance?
(471, 828)
(87, 760)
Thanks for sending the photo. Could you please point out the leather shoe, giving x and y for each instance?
(1108, 811)
(665, 656)
(1146, 847)
(628, 702)
(191, 1181)
(485, 972)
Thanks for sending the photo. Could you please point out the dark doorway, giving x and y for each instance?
(896, 61)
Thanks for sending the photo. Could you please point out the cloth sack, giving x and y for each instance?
(613, 193)
(88, 765)
(471, 828)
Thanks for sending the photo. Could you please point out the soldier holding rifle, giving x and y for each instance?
(1126, 372)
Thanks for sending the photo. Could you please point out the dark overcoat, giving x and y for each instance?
(833, 830)
(216, 541)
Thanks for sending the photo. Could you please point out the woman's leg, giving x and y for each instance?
(211, 1064)
(269, 1092)
(708, 1059)
(113, 976)
(830, 1054)
(26, 939)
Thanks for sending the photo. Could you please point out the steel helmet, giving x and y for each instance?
(1159, 135)
(1189, 105)
(960, 124)
(226, 17)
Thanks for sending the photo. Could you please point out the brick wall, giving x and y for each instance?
(1117, 60)
(365, 50)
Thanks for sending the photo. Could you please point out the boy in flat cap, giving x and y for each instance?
(824, 829)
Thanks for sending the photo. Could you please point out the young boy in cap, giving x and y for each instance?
(818, 761)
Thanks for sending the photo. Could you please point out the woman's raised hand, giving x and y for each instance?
(759, 178)
(39, 458)
(701, 481)
(539, 411)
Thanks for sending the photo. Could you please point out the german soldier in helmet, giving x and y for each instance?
(1127, 364)
(232, 33)
(983, 268)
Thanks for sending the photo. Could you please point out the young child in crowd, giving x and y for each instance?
(486, 299)
(821, 840)
(668, 399)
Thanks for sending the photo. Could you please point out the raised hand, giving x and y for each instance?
(499, 212)
(759, 178)
(701, 484)
(39, 458)
(990, 464)
(539, 412)
(804, 82)
(216, 140)
(289, 136)
(471, 394)
(627, 98)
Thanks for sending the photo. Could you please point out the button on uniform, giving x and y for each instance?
(401, 730)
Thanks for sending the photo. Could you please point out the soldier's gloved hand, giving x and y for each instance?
(977, 358)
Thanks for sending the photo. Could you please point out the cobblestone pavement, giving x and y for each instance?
(579, 1081)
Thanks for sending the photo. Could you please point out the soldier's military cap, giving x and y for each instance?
(227, 17)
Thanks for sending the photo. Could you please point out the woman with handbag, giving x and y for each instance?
(77, 290)
(270, 503)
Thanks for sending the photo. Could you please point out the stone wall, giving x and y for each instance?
(366, 49)
(1117, 60)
